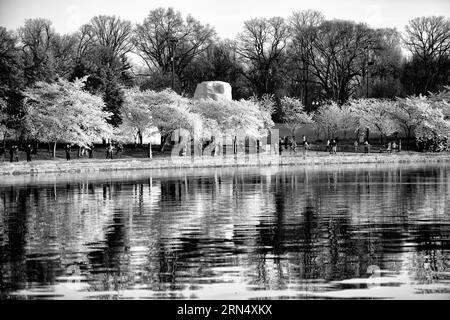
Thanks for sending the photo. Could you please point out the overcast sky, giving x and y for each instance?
(226, 16)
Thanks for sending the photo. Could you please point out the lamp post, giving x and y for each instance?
(173, 43)
(369, 63)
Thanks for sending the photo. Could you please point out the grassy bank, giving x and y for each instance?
(83, 165)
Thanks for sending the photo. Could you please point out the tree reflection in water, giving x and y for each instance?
(275, 232)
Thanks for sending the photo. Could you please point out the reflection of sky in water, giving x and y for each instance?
(228, 234)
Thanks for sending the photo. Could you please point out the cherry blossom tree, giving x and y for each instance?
(232, 117)
(406, 113)
(330, 119)
(294, 115)
(374, 114)
(64, 112)
(166, 110)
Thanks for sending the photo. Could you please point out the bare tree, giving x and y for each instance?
(164, 30)
(36, 39)
(428, 39)
(63, 49)
(304, 25)
(338, 52)
(261, 46)
(386, 65)
(109, 32)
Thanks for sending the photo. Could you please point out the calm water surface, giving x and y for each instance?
(308, 232)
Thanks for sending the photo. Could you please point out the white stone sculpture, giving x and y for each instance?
(216, 90)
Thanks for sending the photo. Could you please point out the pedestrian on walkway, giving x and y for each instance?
(67, 148)
(355, 144)
(91, 151)
(366, 147)
(109, 151)
(13, 152)
(293, 146)
(119, 147)
(333, 145)
(28, 150)
(305, 146)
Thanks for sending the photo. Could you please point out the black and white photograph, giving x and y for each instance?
(239, 150)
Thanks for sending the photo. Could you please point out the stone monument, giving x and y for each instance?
(215, 90)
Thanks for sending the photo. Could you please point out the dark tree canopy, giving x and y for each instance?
(261, 46)
(164, 30)
(428, 39)
(36, 38)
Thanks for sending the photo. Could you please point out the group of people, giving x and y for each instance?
(366, 146)
(289, 143)
(393, 146)
(390, 147)
(332, 145)
(14, 153)
(90, 150)
(113, 146)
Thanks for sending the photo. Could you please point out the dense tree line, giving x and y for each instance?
(304, 61)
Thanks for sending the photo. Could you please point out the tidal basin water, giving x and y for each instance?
(368, 231)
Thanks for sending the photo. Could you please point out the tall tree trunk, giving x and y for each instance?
(149, 154)
(140, 137)
(54, 150)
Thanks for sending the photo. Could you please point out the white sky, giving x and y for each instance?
(226, 16)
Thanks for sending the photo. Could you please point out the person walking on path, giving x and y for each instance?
(67, 148)
(328, 146)
(91, 152)
(109, 152)
(293, 146)
(305, 146)
(332, 146)
(335, 145)
(366, 147)
(28, 150)
(119, 147)
(13, 152)
(355, 144)
(395, 147)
